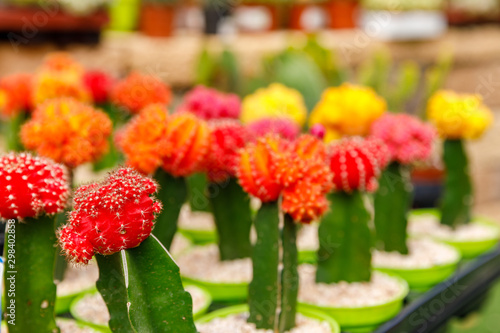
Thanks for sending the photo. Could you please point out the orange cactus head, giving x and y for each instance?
(67, 131)
(259, 167)
(48, 85)
(305, 202)
(138, 91)
(16, 91)
(187, 140)
(61, 62)
(144, 138)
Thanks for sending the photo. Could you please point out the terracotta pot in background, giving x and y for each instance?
(157, 20)
(428, 186)
(343, 13)
(256, 17)
(308, 16)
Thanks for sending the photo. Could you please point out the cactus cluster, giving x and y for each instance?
(286, 128)
(208, 103)
(31, 186)
(344, 233)
(97, 223)
(362, 105)
(67, 131)
(137, 91)
(408, 140)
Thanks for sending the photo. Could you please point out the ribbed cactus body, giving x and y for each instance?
(12, 132)
(392, 202)
(233, 219)
(173, 194)
(28, 275)
(263, 293)
(345, 239)
(457, 200)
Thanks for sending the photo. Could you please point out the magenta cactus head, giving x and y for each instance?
(318, 131)
(408, 139)
(284, 127)
(208, 103)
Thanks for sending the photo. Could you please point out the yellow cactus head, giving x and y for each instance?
(459, 116)
(347, 110)
(275, 101)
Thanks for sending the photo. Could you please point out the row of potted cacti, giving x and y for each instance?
(128, 221)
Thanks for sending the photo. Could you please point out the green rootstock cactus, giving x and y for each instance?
(269, 290)
(138, 279)
(457, 200)
(345, 240)
(233, 218)
(173, 194)
(32, 191)
(392, 203)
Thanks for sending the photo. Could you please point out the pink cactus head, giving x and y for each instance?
(227, 137)
(284, 127)
(110, 216)
(318, 131)
(356, 164)
(209, 103)
(30, 186)
(407, 138)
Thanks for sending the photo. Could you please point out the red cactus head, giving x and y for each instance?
(99, 83)
(138, 91)
(209, 103)
(17, 89)
(227, 137)
(407, 138)
(356, 164)
(30, 186)
(110, 216)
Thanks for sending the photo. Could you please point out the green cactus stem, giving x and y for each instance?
(173, 194)
(263, 294)
(345, 240)
(233, 219)
(158, 301)
(30, 292)
(12, 132)
(392, 203)
(198, 200)
(457, 199)
(289, 276)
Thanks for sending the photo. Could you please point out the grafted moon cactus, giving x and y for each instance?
(118, 215)
(457, 118)
(228, 201)
(295, 171)
(208, 103)
(344, 232)
(32, 191)
(171, 148)
(409, 140)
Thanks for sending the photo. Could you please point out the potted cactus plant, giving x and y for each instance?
(421, 262)
(157, 17)
(457, 118)
(34, 189)
(343, 285)
(138, 279)
(291, 179)
(171, 147)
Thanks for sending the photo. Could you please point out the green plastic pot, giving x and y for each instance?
(222, 313)
(308, 256)
(422, 279)
(364, 319)
(221, 292)
(63, 303)
(202, 311)
(124, 15)
(199, 237)
(468, 249)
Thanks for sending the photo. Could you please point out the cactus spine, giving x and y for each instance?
(392, 202)
(233, 218)
(173, 194)
(345, 239)
(457, 200)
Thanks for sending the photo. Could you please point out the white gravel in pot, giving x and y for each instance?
(92, 308)
(423, 253)
(78, 278)
(307, 237)
(428, 225)
(381, 289)
(203, 263)
(238, 324)
(195, 220)
(180, 245)
(66, 326)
